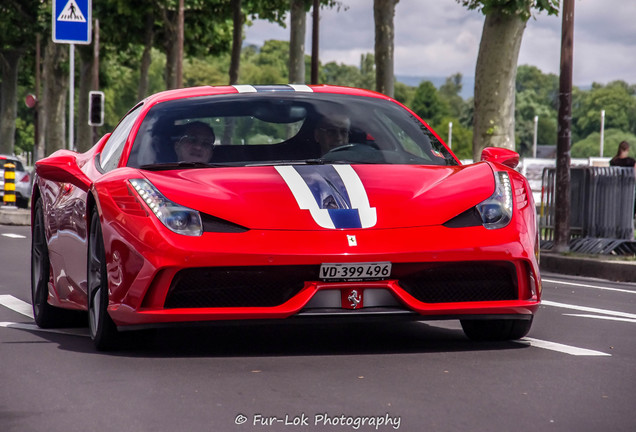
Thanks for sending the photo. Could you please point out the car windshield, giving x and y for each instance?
(269, 129)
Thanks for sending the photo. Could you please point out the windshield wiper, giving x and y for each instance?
(314, 161)
(181, 165)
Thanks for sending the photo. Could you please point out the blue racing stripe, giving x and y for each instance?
(330, 194)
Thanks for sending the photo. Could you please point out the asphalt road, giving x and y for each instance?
(575, 372)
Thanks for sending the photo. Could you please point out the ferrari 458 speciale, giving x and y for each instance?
(281, 202)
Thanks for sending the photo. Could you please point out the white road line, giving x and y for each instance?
(15, 236)
(589, 286)
(589, 309)
(33, 327)
(17, 305)
(603, 317)
(24, 308)
(567, 349)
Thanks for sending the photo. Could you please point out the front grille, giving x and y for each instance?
(458, 282)
(265, 286)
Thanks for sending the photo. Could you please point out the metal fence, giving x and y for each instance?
(601, 209)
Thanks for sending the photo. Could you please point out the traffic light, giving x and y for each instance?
(95, 108)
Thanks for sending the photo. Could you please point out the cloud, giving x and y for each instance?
(441, 37)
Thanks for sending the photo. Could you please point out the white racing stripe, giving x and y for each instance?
(244, 88)
(303, 195)
(358, 195)
(301, 88)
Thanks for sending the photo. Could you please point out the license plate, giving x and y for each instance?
(355, 271)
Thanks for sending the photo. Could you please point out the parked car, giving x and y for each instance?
(22, 181)
(281, 203)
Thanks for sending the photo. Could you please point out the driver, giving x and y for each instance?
(196, 144)
(332, 132)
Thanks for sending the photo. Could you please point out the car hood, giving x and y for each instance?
(316, 197)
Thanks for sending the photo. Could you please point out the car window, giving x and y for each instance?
(259, 128)
(113, 149)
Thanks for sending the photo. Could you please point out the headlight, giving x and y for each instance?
(181, 220)
(496, 211)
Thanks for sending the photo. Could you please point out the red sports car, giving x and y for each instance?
(281, 202)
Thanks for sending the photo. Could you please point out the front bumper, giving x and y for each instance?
(274, 275)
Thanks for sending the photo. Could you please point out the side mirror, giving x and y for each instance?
(500, 155)
(62, 167)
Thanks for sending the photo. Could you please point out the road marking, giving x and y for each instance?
(34, 327)
(567, 349)
(589, 309)
(553, 346)
(17, 305)
(590, 286)
(24, 308)
(15, 236)
(611, 318)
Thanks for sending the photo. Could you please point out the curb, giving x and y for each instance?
(14, 216)
(594, 266)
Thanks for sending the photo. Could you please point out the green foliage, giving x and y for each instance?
(618, 101)
(512, 7)
(545, 86)
(450, 91)
(404, 93)
(591, 145)
(462, 139)
(428, 104)
(199, 71)
(528, 105)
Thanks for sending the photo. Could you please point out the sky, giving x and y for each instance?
(438, 38)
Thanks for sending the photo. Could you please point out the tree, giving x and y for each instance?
(616, 99)
(428, 105)
(591, 145)
(383, 14)
(496, 68)
(528, 106)
(298, 18)
(17, 39)
(450, 92)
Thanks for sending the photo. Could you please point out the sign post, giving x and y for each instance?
(72, 25)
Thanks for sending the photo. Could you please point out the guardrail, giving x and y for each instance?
(601, 210)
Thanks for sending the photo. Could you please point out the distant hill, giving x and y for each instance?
(468, 83)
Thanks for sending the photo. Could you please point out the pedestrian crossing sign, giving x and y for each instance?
(72, 21)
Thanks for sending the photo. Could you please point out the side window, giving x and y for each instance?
(407, 143)
(115, 146)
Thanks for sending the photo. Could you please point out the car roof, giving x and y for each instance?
(236, 89)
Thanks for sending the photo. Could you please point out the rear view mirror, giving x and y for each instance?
(500, 155)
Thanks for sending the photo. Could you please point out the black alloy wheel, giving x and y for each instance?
(101, 327)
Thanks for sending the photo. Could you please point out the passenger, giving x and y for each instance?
(196, 144)
(332, 131)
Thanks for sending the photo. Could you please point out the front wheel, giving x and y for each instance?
(496, 329)
(102, 328)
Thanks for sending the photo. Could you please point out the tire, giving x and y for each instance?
(45, 315)
(497, 329)
(101, 327)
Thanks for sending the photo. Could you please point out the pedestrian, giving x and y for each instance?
(622, 158)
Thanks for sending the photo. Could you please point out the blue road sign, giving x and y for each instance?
(72, 21)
